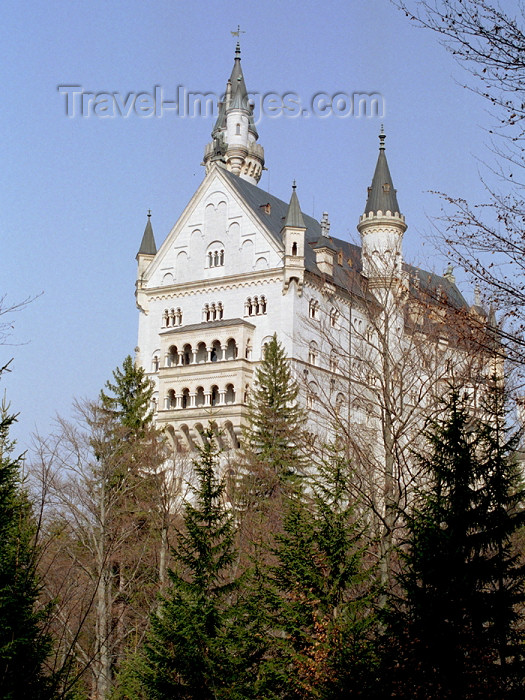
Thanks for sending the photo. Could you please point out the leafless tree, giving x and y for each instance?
(487, 239)
(108, 506)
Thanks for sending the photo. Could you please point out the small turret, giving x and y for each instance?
(147, 251)
(234, 136)
(293, 240)
(382, 226)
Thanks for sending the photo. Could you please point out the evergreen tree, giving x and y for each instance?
(325, 593)
(130, 403)
(275, 428)
(273, 456)
(24, 645)
(460, 579)
(200, 644)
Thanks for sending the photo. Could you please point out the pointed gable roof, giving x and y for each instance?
(147, 246)
(381, 194)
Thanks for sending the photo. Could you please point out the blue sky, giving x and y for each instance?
(76, 190)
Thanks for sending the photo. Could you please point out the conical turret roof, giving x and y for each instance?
(147, 246)
(381, 194)
(294, 216)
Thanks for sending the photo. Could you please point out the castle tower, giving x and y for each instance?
(382, 227)
(234, 136)
(293, 240)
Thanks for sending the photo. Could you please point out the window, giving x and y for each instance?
(213, 311)
(171, 318)
(312, 353)
(339, 257)
(333, 361)
(216, 257)
(255, 306)
(334, 318)
(313, 308)
(294, 248)
(237, 129)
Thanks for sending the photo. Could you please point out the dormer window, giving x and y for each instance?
(386, 187)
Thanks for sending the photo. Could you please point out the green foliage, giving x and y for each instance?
(276, 423)
(24, 646)
(461, 580)
(200, 645)
(324, 592)
(131, 400)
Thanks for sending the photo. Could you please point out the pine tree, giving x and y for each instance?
(460, 579)
(132, 391)
(325, 591)
(273, 456)
(275, 421)
(200, 645)
(24, 645)
(503, 504)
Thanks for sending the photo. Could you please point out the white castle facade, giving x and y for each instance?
(240, 265)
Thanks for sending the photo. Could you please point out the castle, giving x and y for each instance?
(240, 265)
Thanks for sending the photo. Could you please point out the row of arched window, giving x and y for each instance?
(213, 312)
(201, 397)
(313, 312)
(313, 357)
(171, 318)
(255, 306)
(199, 353)
(216, 258)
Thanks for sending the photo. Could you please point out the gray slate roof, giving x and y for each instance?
(346, 276)
(381, 194)
(221, 323)
(147, 246)
(294, 216)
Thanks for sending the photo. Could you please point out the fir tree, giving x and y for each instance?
(130, 403)
(200, 645)
(24, 645)
(275, 421)
(324, 591)
(460, 579)
(273, 456)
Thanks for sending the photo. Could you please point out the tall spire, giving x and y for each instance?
(381, 194)
(234, 134)
(294, 216)
(147, 246)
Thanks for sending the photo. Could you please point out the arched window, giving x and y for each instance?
(313, 353)
(339, 403)
(311, 395)
(230, 394)
(294, 248)
(214, 395)
(313, 308)
(333, 361)
(215, 255)
(185, 398)
(334, 318)
(237, 129)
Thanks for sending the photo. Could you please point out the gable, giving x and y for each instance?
(216, 236)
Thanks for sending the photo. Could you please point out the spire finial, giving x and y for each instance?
(382, 137)
(325, 225)
(149, 213)
(294, 185)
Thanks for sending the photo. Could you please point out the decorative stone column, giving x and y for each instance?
(207, 398)
(223, 348)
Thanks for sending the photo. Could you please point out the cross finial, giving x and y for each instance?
(294, 185)
(149, 213)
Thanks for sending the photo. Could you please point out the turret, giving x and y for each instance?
(293, 240)
(234, 136)
(382, 227)
(147, 252)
